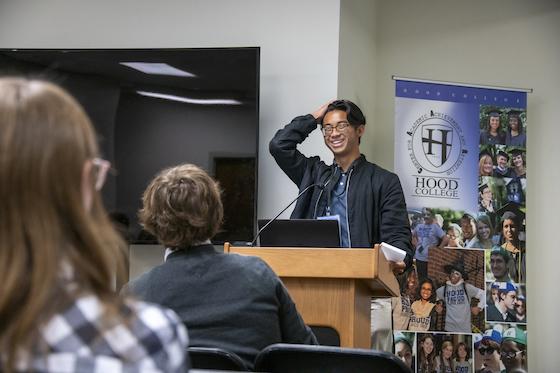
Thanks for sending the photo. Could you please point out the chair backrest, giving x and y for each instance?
(215, 358)
(326, 359)
(326, 336)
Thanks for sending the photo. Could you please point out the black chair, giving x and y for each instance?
(326, 336)
(326, 359)
(215, 358)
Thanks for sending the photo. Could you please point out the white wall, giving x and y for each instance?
(511, 43)
(298, 40)
(357, 62)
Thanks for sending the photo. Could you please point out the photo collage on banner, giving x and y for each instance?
(460, 153)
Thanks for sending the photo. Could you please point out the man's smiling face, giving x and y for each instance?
(344, 141)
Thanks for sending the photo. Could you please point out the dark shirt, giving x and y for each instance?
(229, 301)
(519, 140)
(487, 139)
(494, 314)
(507, 172)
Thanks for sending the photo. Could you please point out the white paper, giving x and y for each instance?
(392, 253)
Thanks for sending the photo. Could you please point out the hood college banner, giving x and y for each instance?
(460, 153)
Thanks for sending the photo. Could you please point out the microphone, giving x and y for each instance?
(320, 186)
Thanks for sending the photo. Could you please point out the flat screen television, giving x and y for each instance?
(156, 108)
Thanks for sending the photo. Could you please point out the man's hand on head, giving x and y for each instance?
(320, 112)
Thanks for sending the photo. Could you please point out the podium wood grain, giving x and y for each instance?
(331, 287)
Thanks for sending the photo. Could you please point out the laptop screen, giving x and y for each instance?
(300, 233)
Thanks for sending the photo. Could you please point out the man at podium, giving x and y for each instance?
(366, 199)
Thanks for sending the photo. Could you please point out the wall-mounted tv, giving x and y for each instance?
(155, 108)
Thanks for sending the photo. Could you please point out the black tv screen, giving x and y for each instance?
(156, 108)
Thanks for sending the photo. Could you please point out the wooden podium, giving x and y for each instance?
(331, 287)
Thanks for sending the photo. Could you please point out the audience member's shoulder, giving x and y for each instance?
(150, 318)
(160, 334)
(140, 285)
(136, 337)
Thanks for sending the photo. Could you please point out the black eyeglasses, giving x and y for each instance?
(340, 126)
(484, 350)
(510, 354)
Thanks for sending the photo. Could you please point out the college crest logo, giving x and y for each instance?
(436, 144)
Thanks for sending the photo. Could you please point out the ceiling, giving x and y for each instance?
(230, 72)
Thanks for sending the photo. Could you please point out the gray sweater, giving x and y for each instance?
(228, 301)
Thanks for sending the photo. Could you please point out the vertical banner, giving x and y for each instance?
(460, 153)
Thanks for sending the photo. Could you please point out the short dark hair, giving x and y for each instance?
(406, 342)
(469, 218)
(509, 215)
(428, 211)
(501, 252)
(490, 343)
(353, 113)
(504, 292)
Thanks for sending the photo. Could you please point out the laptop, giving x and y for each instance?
(300, 233)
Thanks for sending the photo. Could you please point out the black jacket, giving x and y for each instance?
(376, 206)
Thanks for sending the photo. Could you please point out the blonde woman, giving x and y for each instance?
(58, 250)
(444, 362)
(484, 231)
(485, 165)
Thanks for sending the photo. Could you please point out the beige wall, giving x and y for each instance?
(506, 43)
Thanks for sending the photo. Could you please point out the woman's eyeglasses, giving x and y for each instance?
(100, 169)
